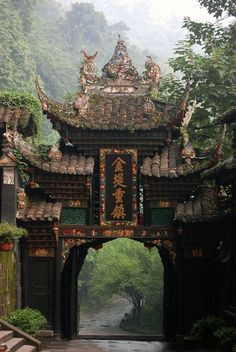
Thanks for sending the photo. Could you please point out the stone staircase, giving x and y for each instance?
(13, 339)
(14, 343)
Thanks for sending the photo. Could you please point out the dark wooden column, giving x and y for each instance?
(24, 274)
(57, 297)
(170, 298)
(179, 290)
(89, 185)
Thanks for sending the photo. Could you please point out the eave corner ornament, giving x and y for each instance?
(152, 74)
(88, 68)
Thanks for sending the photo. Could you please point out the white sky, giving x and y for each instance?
(158, 9)
(160, 19)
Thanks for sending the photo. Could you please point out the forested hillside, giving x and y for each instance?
(41, 38)
(17, 67)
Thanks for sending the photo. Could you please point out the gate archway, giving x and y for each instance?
(69, 291)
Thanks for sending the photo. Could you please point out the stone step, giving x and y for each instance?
(45, 333)
(27, 348)
(5, 335)
(14, 343)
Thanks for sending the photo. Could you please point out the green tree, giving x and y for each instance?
(17, 68)
(126, 268)
(207, 58)
(25, 9)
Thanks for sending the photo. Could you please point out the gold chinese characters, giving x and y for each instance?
(119, 189)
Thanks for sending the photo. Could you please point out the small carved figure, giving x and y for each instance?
(153, 71)
(54, 153)
(21, 198)
(81, 103)
(188, 152)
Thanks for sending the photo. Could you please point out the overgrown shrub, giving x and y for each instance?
(10, 232)
(234, 348)
(226, 337)
(29, 320)
(207, 326)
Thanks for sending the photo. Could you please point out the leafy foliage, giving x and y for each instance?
(29, 320)
(219, 7)
(207, 58)
(17, 67)
(207, 326)
(23, 100)
(10, 232)
(22, 166)
(58, 37)
(25, 8)
(226, 336)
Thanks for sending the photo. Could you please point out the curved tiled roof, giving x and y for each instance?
(17, 117)
(69, 163)
(226, 165)
(202, 208)
(107, 112)
(169, 163)
(40, 211)
(119, 100)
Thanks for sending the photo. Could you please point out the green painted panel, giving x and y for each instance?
(73, 216)
(162, 216)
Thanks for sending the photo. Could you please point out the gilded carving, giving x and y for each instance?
(21, 198)
(69, 243)
(169, 245)
(41, 252)
(197, 252)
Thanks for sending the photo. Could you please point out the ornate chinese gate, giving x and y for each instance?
(124, 168)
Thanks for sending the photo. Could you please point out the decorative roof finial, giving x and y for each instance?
(88, 58)
(88, 68)
(119, 39)
(120, 66)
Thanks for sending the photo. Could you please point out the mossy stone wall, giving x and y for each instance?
(7, 283)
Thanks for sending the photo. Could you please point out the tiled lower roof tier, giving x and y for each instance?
(228, 165)
(40, 211)
(169, 163)
(69, 163)
(202, 208)
(17, 117)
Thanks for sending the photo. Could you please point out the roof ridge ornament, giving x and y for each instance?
(152, 74)
(120, 66)
(88, 69)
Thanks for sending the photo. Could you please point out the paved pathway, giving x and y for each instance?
(106, 320)
(119, 346)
